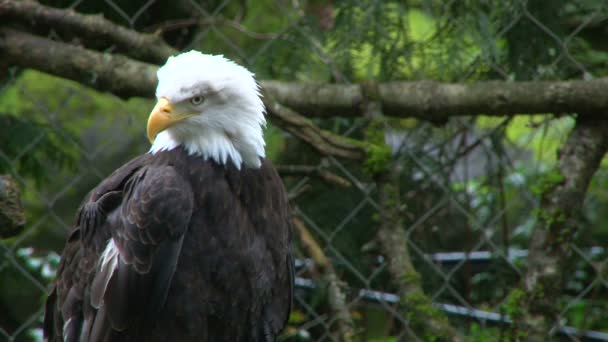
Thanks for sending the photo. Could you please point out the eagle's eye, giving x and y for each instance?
(197, 100)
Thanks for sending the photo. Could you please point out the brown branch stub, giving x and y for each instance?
(335, 293)
(145, 47)
(562, 197)
(313, 171)
(12, 215)
(416, 306)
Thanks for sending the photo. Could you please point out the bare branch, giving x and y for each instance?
(12, 215)
(103, 71)
(145, 47)
(313, 171)
(436, 101)
(336, 296)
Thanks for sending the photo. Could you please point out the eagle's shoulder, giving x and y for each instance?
(102, 199)
(119, 177)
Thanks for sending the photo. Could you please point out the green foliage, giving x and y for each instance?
(378, 154)
(514, 302)
(378, 159)
(28, 146)
(541, 135)
(393, 40)
(587, 313)
(479, 333)
(548, 218)
(548, 181)
(275, 142)
(384, 339)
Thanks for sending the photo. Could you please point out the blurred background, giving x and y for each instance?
(427, 237)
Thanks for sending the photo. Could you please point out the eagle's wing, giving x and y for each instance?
(276, 213)
(120, 260)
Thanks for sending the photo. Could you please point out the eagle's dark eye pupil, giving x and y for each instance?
(196, 100)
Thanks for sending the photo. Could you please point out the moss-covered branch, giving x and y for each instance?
(535, 305)
(416, 306)
(414, 303)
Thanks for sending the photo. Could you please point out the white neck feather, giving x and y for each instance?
(217, 146)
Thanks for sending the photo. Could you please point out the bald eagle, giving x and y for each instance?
(190, 241)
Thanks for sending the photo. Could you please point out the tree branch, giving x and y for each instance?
(427, 100)
(434, 101)
(416, 306)
(335, 294)
(117, 74)
(145, 47)
(536, 302)
(313, 171)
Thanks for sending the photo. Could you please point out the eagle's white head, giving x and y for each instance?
(211, 106)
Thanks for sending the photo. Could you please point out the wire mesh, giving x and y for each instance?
(468, 190)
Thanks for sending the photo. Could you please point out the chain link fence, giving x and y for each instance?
(469, 188)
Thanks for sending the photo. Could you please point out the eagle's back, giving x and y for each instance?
(232, 279)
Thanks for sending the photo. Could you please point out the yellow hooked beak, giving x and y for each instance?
(162, 117)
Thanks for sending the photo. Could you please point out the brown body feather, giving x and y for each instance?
(203, 255)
